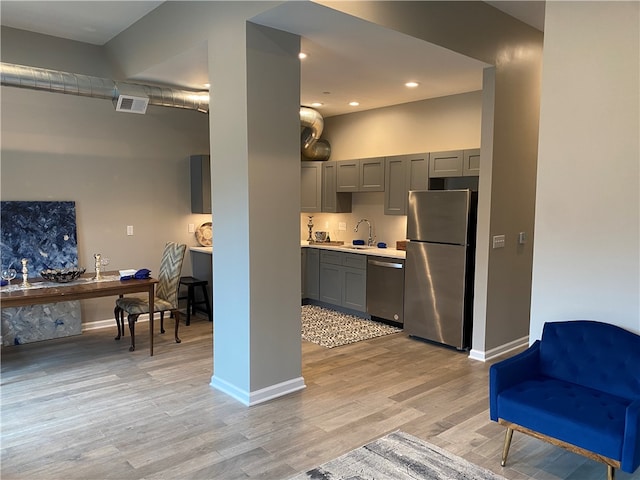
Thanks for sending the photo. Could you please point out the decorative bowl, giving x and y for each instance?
(62, 275)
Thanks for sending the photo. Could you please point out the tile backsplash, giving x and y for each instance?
(369, 205)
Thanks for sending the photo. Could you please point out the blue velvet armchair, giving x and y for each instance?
(577, 388)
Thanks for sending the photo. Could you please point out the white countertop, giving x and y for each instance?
(381, 252)
(208, 250)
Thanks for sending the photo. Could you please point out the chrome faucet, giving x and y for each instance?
(370, 239)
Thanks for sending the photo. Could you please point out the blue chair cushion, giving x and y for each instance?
(587, 418)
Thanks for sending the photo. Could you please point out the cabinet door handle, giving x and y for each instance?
(385, 264)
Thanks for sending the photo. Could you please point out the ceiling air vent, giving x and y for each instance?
(131, 104)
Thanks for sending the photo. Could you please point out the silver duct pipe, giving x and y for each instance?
(87, 86)
(36, 78)
(311, 126)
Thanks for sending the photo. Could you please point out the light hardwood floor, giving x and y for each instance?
(87, 408)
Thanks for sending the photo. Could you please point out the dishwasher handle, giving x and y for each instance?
(378, 263)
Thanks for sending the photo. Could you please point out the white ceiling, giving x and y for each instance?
(348, 58)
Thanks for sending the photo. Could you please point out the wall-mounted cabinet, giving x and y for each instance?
(362, 175)
(311, 187)
(455, 163)
(471, 163)
(200, 184)
(404, 173)
(318, 189)
(332, 200)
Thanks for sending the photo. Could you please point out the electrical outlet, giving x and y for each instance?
(342, 226)
(129, 229)
(191, 228)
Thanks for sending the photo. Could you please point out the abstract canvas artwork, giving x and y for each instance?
(45, 234)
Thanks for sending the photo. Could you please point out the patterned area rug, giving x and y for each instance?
(330, 328)
(399, 456)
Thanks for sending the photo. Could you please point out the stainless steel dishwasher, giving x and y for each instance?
(385, 288)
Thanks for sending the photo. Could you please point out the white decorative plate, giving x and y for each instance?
(204, 234)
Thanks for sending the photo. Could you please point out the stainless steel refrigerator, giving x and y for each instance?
(439, 268)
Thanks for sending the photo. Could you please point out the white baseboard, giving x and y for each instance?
(111, 323)
(259, 396)
(488, 355)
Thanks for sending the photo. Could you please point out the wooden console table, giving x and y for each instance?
(65, 292)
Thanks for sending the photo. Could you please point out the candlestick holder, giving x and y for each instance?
(310, 225)
(25, 273)
(98, 259)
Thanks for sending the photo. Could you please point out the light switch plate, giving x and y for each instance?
(129, 229)
(498, 241)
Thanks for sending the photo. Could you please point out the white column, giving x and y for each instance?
(255, 170)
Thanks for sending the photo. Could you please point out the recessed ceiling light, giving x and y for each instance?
(411, 84)
(354, 104)
(302, 55)
(316, 104)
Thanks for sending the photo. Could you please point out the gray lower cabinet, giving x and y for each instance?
(311, 276)
(404, 173)
(343, 279)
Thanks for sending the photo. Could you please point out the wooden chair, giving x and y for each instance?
(166, 294)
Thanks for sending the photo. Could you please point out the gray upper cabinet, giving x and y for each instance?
(318, 189)
(471, 163)
(348, 175)
(446, 164)
(310, 187)
(332, 200)
(404, 173)
(455, 163)
(363, 175)
(200, 184)
(371, 175)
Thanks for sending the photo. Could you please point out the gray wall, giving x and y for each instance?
(587, 252)
(121, 169)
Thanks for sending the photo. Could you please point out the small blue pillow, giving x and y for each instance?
(142, 273)
(139, 275)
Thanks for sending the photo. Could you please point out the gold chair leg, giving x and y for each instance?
(507, 443)
(611, 472)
